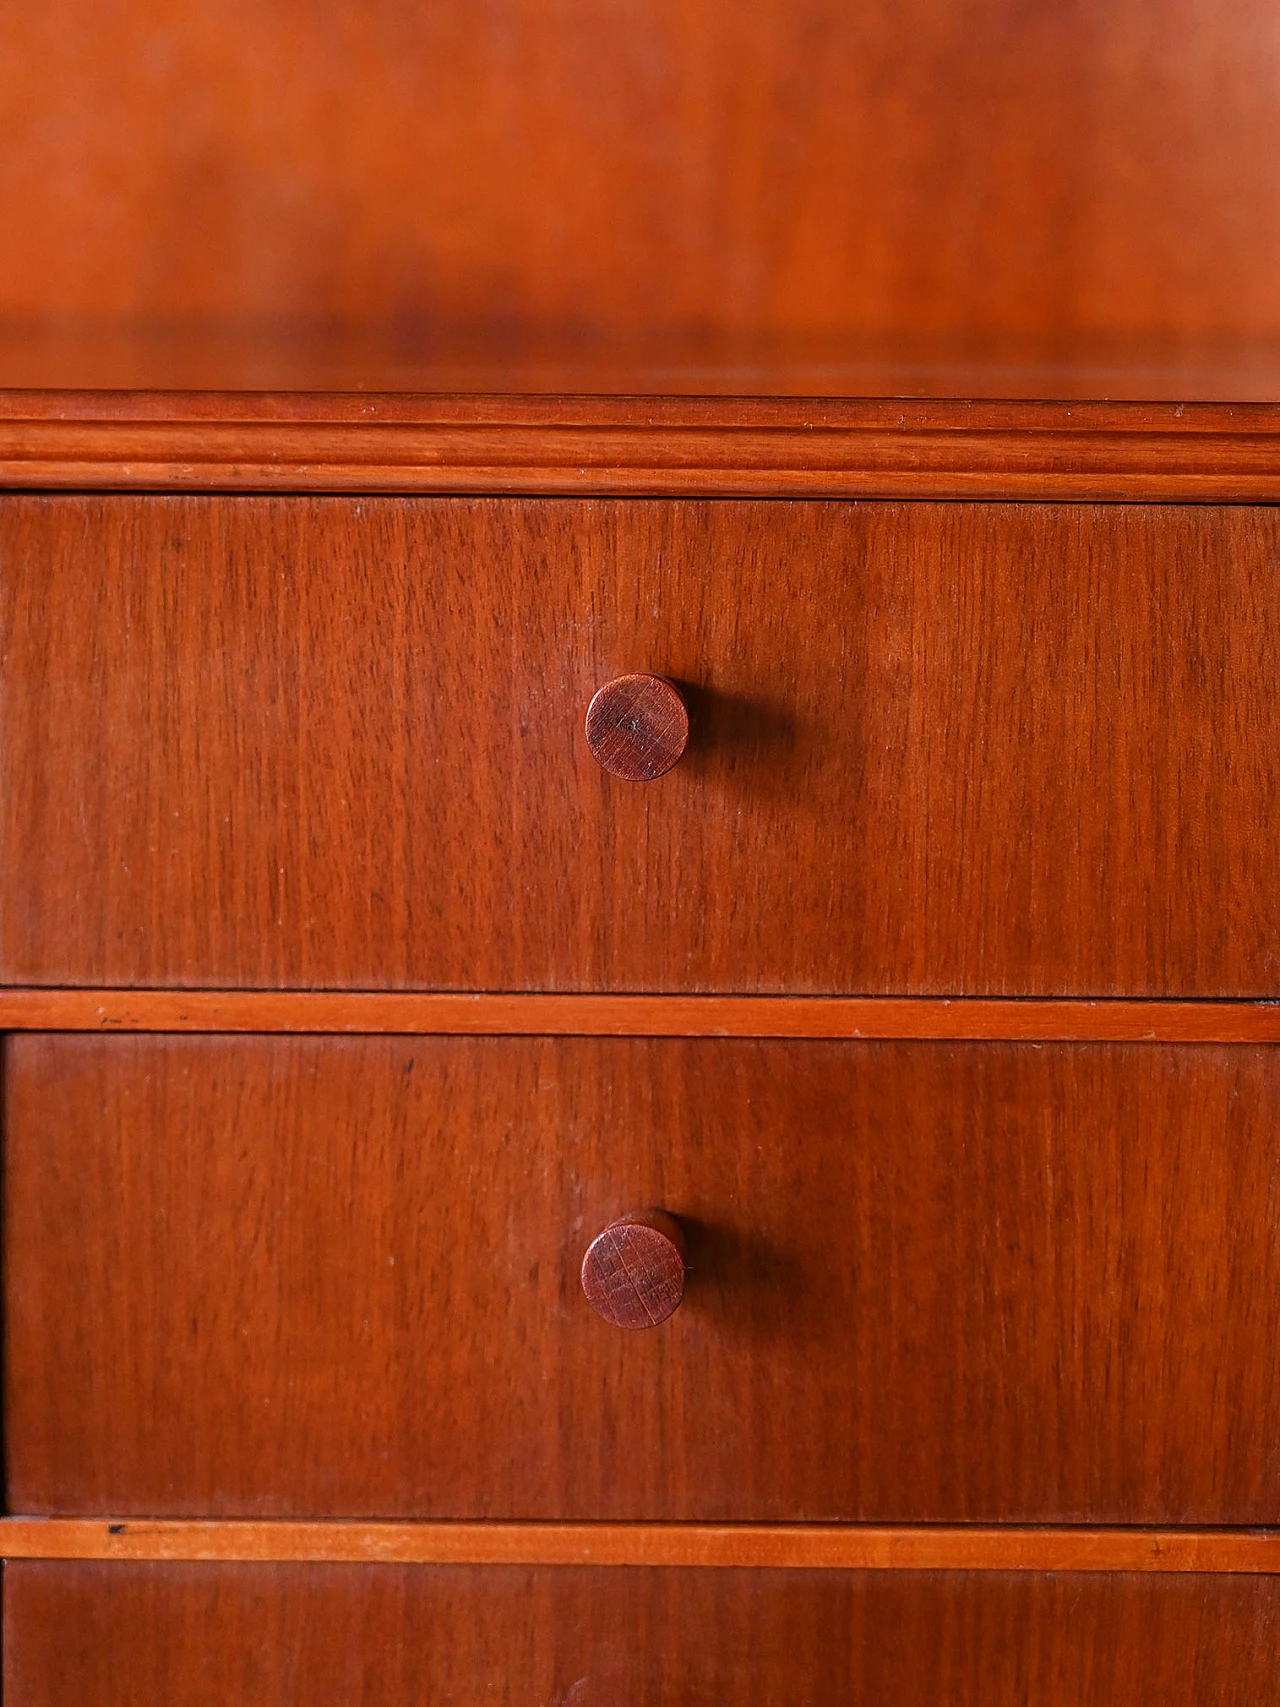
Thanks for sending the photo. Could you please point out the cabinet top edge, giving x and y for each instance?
(236, 370)
(380, 409)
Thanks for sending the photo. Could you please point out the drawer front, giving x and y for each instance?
(936, 748)
(927, 1282)
(331, 1635)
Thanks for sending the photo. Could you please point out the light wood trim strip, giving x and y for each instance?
(800, 1547)
(651, 446)
(888, 1017)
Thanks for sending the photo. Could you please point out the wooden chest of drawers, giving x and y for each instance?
(930, 994)
(639, 889)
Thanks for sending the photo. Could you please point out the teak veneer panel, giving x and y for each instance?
(938, 749)
(928, 1282)
(257, 1636)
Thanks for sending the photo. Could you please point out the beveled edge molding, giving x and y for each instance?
(754, 1546)
(653, 446)
(969, 1019)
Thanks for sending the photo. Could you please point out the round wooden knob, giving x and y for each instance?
(637, 727)
(633, 1273)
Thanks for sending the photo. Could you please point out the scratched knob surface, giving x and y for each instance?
(633, 1272)
(637, 727)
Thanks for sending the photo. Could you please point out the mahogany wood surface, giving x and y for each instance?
(92, 1635)
(810, 1546)
(804, 166)
(940, 749)
(1038, 1019)
(665, 446)
(927, 1282)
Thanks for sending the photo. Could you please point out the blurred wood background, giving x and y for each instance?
(1036, 169)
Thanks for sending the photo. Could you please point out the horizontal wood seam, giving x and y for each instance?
(802, 1547)
(819, 1017)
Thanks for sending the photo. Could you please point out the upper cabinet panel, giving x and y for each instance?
(793, 166)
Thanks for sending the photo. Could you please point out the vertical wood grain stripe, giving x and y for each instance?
(639, 1016)
(801, 1547)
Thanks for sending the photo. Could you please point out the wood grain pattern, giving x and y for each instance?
(252, 1636)
(662, 446)
(339, 1277)
(810, 166)
(434, 1014)
(300, 813)
(802, 1547)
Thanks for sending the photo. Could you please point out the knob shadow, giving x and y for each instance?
(751, 1285)
(744, 739)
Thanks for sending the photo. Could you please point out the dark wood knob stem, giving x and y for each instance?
(637, 727)
(633, 1272)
